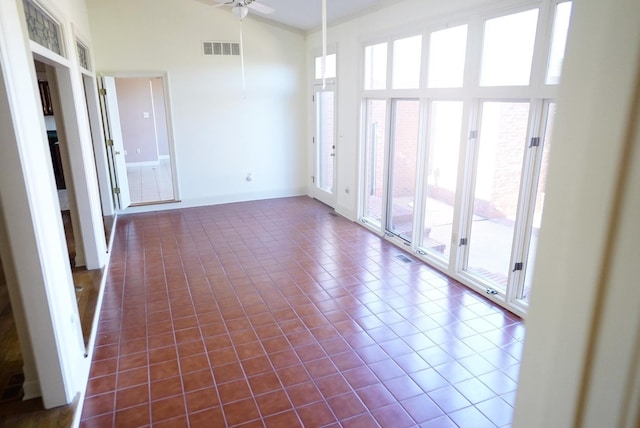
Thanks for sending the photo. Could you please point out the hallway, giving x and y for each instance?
(276, 313)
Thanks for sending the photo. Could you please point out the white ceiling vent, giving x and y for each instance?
(220, 48)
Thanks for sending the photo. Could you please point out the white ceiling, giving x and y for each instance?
(307, 14)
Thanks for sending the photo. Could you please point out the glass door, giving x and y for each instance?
(325, 146)
(375, 135)
(536, 202)
(499, 156)
(443, 144)
(403, 154)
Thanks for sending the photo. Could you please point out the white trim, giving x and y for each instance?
(144, 163)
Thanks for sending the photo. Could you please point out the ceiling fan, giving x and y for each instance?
(240, 8)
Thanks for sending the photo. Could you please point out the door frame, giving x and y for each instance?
(164, 75)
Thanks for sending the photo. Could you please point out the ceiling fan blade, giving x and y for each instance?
(220, 3)
(258, 7)
(217, 3)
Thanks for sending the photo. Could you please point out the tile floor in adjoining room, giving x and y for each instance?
(151, 183)
(275, 313)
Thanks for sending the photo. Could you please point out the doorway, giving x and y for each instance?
(324, 176)
(140, 146)
(58, 148)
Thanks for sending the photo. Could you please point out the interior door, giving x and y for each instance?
(325, 146)
(115, 144)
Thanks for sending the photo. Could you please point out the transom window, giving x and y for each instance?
(330, 67)
(43, 29)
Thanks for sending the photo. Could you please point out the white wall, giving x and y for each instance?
(219, 135)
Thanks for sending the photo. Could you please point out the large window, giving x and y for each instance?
(375, 66)
(406, 62)
(508, 49)
(499, 154)
(329, 67)
(374, 157)
(447, 51)
(456, 140)
(443, 143)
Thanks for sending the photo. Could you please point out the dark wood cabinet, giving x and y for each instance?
(56, 160)
(45, 96)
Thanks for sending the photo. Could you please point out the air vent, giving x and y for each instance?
(404, 258)
(220, 48)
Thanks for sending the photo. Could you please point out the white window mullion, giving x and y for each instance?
(463, 213)
(421, 179)
(524, 215)
(541, 47)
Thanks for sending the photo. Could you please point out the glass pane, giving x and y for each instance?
(326, 142)
(83, 55)
(330, 67)
(375, 66)
(42, 28)
(444, 142)
(404, 149)
(539, 204)
(374, 159)
(406, 62)
(558, 42)
(508, 49)
(502, 141)
(447, 50)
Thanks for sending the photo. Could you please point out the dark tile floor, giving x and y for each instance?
(275, 313)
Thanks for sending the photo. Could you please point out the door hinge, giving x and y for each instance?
(464, 241)
(535, 142)
(313, 98)
(473, 135)
(102, 91)
(109, 143)
(313, 179)
(313, 140)
(116, 190)
(518, 266)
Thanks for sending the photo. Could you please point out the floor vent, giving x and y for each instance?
(220, 48)
(404, 258)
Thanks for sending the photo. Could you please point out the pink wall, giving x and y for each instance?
(161, 116)
(138, 131)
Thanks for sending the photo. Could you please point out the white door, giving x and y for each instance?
(325, 146)
(115, 144)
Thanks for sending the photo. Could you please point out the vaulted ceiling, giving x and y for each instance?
(306, 15)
